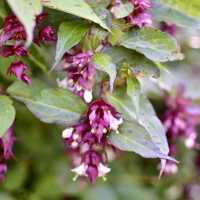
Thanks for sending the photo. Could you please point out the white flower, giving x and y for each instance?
(114, 122)
(87, 96)
(67, 133)
(80, 170)
(102, 170)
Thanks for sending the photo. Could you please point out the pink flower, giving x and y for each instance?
(181, 118)
(91, 134)
(140, 16)
(12, 29)
(80, 74)
(41, 17)
(10, 50)
(3, 170)
(19, 69)
(47, 34)
(6, 145)
(91, 166)
(168, 28)
(141, 4)
(103, 118)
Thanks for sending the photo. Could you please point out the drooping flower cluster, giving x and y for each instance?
(14, 32)
(140, 17)
(80, 74)
(180, 121)
(6, 145)
(89, 139)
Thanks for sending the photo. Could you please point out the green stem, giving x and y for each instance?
(41, 65)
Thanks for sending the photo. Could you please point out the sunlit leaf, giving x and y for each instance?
(47, 104)
(7, 114)
(79, 8)
(104, 63)
(26, 11)
(154, 44)
(69, 35)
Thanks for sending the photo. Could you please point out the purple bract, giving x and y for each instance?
(19, 70)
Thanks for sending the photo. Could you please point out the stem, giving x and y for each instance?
(41, 65)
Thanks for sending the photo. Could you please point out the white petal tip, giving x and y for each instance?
(67, 133)
(88, 96)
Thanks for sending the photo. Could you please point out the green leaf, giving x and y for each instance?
(163, 12)
(188, 7)
(47, 104)
(69, 35)
(154, 44)
(134, 138)
(104, 63)
(26, 11)
(3, 10)
(122, 10)
(7, 114)
(95, 3)
(79, 8)
(94, 39)
(146, 117)
(133, 91)
(137, 62)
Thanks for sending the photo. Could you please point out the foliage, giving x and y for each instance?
(120, 58)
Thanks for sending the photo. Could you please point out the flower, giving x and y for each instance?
(181, 118)
(142, 19)
(91, 166)
(6, 145)
(10, 50)
(3, 170)
(140, 16)
(41, 17)
(7, 142)
(84, 138)
(12, 29)
(80, 74)
(19, 69)
(47, 34)
(103, 118)
(168, 28)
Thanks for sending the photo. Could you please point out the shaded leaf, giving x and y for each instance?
(79, 8)
(134, 138)
(163, 12)
(122, 10)
(146, 117)
(49, 105)
(188, 7)
(104, 63)
(94, 39)
(154, 44)
(137, 62)
(133, 91)
(7, 114)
